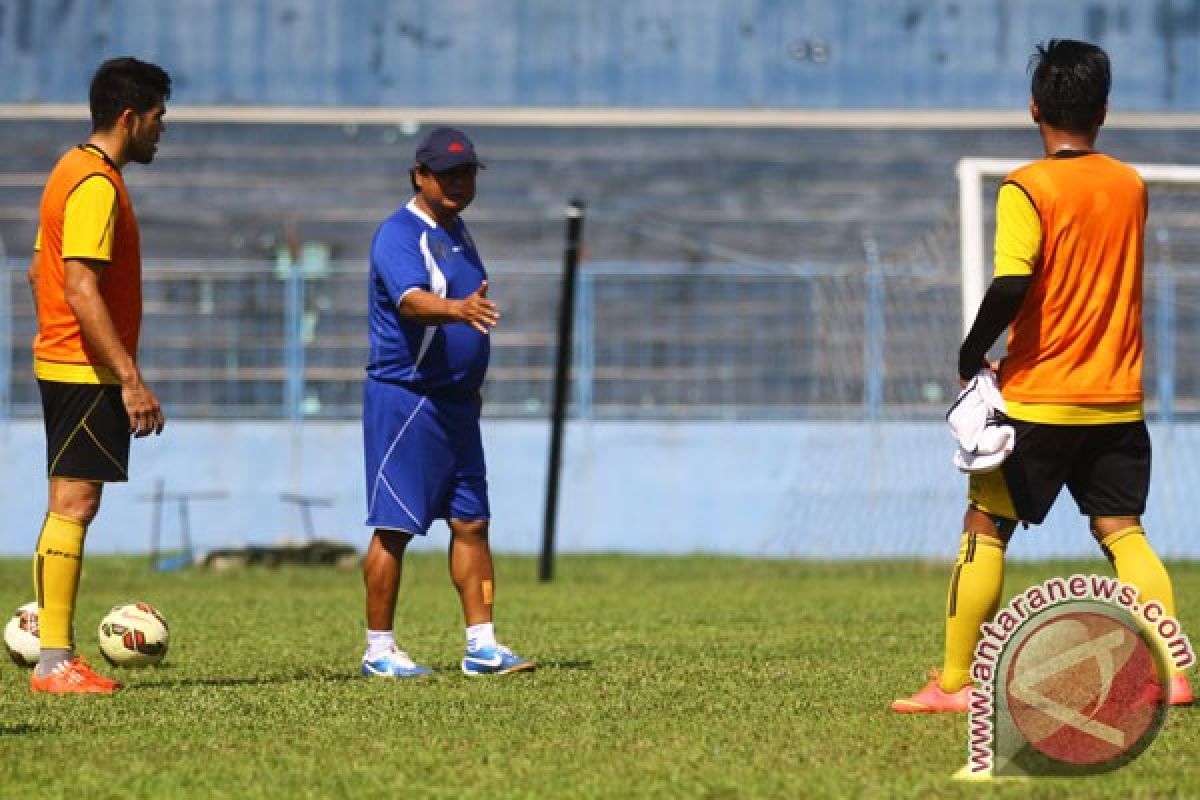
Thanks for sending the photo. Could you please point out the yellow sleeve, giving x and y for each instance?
(1018, 233)
(89, 220)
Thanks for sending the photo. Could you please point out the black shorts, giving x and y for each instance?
(1106, 468)
(87, 431)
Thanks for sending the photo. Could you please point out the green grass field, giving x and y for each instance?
(696, 677)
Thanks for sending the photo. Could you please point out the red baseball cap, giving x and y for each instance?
(446, 148)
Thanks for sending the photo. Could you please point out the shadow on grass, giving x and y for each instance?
(266, 680)
(566, 664)
(17, 730)
(328, 677)
(455, 668)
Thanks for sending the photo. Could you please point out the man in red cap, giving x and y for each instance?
(429, 322)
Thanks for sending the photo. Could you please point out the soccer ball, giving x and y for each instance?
(133, 635)
(21, 637)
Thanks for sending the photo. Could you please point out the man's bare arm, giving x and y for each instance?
(83, 296)
(426, 308)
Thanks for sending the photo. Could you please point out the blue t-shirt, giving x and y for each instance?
(411, 251)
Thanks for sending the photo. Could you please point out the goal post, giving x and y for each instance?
(972, 172)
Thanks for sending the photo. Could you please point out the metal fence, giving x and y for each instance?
(652, 341)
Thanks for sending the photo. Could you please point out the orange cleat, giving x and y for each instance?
(932, 700)
(1180, 693)
(73, 677)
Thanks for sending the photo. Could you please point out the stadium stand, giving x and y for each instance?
(767, 235)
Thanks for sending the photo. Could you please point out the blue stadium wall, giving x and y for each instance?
(639, 53)
(794, 489)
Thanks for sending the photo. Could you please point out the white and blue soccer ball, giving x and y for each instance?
(21, 637)
(134, 635)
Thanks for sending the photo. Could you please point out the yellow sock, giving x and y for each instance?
(974, 596)
(1136, 563)
(56, 567)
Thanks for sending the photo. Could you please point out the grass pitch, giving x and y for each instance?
(660, 677)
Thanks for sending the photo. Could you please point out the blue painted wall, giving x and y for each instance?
(646, 53)
(779, 489)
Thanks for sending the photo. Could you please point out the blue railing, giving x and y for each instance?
(652, 340)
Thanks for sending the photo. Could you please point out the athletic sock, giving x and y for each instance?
(974, 596)
(49, 658)
(57, 564)
(480, 636)
(379, 644)
(1136, 563)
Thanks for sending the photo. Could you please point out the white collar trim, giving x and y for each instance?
(416, 210)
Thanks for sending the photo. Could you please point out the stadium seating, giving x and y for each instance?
(222, 201)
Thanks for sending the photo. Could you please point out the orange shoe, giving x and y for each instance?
(73, 677)
(932, 700)
(1180, 693)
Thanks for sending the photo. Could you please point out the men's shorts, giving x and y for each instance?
(1106, 468)
(424, 459)
(87, 431)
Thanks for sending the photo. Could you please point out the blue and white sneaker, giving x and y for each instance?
(395, 664)
(497, 660)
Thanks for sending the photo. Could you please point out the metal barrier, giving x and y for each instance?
(652, 341)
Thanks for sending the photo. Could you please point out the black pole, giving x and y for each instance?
(160, 489)
(562, 377)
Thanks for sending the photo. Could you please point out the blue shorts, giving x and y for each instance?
(424, 459)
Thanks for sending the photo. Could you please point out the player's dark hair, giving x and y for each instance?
(412, 177)
(122, 83)
(1071, 80)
